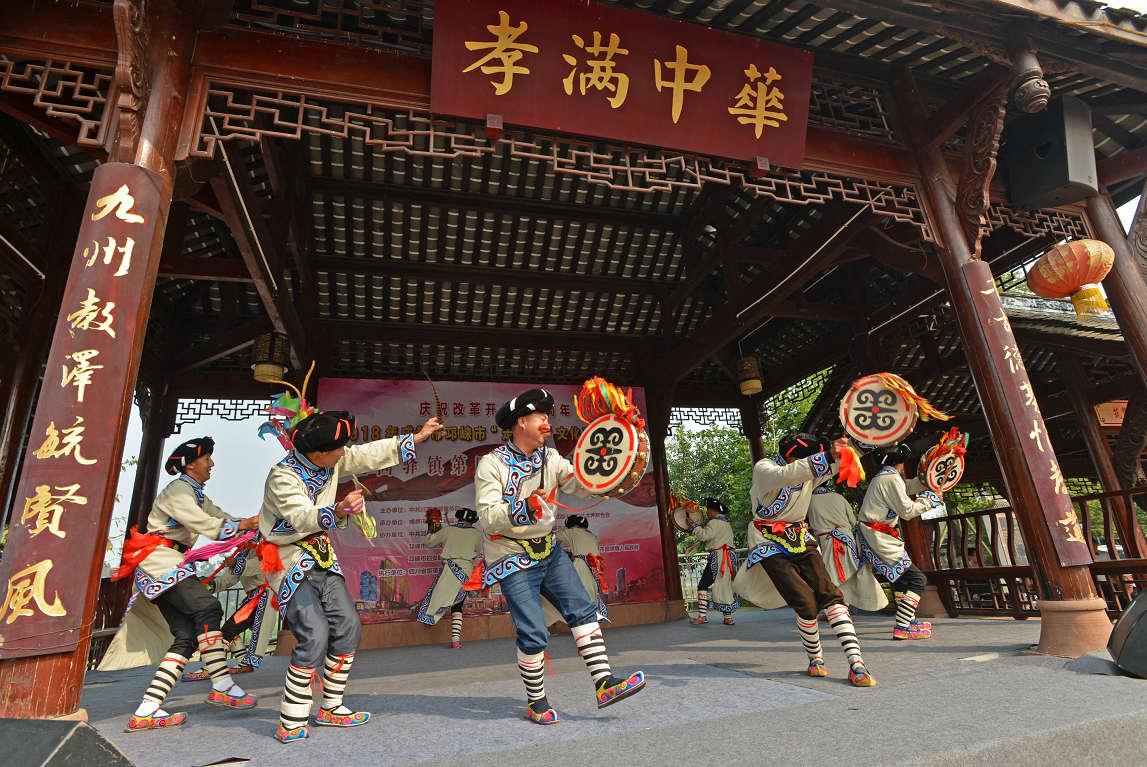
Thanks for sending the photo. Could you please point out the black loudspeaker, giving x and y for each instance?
(1051, 156)
(54, 743)
(1128, 643)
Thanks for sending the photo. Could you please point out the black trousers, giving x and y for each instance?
(190, 610)
(803, 581)
(707, 578)
(231, 629)
(912, 580)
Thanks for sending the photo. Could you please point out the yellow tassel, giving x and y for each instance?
(1088, 301)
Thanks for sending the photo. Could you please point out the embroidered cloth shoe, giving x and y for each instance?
(921, 624)
(292, 736)
(243, 668)
(227, 700)
(911, 633)
(729, 621)
(612, 690)
(539, 712)
(861, 680)
(195, 676)
(332, 717)
(455, 645)
(699, 621)
(816, 668)
(151, 721)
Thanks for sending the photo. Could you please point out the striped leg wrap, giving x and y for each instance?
(165, 676)
(591, 648)
(335, 673)
(533, 668)
(906, 609)
(296, 707)
(702, 603)
(213, 651)
(810, 638)
(841, 623)
(456, 627)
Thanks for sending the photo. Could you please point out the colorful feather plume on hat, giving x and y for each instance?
(598, 397)
(904, 389)
(292, 409)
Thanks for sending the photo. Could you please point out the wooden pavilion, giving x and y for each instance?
(285, 173)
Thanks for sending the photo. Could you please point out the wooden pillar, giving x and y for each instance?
(1123, 509)
(1125, 286)
(751, 426)
(1074, 618)
(658, 402)
(54, 555)
(61, 222)
(157, 418)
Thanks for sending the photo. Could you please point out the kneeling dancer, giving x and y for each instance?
(791, 570)
(461, 547)
(717, 535)
(515, 486)
(886, 503)
(298, 509)
(180, 514)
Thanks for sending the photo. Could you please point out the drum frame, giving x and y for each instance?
(898, 433)
(631, 471)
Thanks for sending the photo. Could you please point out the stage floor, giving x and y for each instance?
(715, 695)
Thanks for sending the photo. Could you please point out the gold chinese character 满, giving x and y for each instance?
(109, 250)
(85, 317)
(72, 437)
(121, 202)
(601, 75)
(46, 509)
(679, 84)
(506, 49)
(764, 103)
(27, 586)
(1072, 527)
(81, 374)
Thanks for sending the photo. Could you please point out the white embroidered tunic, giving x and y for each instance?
(717, 535)
(461, 547)
(885, 503)
(832, 521)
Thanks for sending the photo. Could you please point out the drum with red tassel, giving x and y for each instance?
(942, 466)
(612, 453)
(1074, 270)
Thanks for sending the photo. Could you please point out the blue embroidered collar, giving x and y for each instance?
(195, 485)
(313, 477)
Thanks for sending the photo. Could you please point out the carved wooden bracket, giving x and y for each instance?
(131, 75)
(1027, 89)
(1137, 238)
(981, 145)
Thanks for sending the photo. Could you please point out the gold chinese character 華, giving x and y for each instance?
(764, 103)
(46, 509)
(121, 202)
(85, 317)
(601, 75)
(109, 251)
(679, 84)
(1072, 527)
(72, 437)
(27, 586)
(1036, 433)
(1057, 478)
(506, 49)
(81, 374)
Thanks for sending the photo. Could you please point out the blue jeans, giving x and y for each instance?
(555, 579)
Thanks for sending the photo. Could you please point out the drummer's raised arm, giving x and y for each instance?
(769, 476)
(568, 483)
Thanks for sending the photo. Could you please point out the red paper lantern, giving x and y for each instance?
(1074, 269)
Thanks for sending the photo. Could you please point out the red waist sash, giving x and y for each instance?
(137, 548)
(880, 527)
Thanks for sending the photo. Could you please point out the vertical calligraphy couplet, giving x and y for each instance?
(55, 543)
(1055, 500)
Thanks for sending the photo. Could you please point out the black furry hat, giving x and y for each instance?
(532, 401)
(890, 455)
(576, 520)
(189, 451)
(469, 516)
(323, 432)
(713, 503)
(802, 445)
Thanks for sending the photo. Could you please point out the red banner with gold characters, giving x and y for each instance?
(70, 470)
(597, 70)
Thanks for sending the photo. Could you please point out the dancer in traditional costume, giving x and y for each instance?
(885, 503)
(833, 522)
(181, 513)
(461, 548)
(784, 565)
(716, 584)
(515, 487)
(298, 509)
(587, 560)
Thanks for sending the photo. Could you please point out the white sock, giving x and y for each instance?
(341, 711)
(147, 708)
(229, 686)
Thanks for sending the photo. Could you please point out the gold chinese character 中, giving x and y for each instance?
(764, 103)
(1057, 478)
(27, 586)
(85, 317)
(109, 250)
(1072, 527)
(679, 84)
(81, 374)
(601, 74)
(72, 437)
(506, 49)
(45, 509)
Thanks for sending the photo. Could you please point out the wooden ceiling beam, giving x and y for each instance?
(378, 331)
(211, 269)
(1091, 347)
(227, 342)
(954, 112)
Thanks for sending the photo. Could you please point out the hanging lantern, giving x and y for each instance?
(1074, 269)
(749, 374)
(269, 357)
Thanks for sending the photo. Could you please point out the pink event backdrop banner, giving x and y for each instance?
(394, 570)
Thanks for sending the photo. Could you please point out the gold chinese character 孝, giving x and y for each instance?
(109, 250)
(85, 317)
(506, 49)
(121, 202)
(763, 103)
(27, 586)
(72, 437)
(601, 74)
(81, 374)
(44, 510)
(1057, 478)
(679, 84)
(1072, 527)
